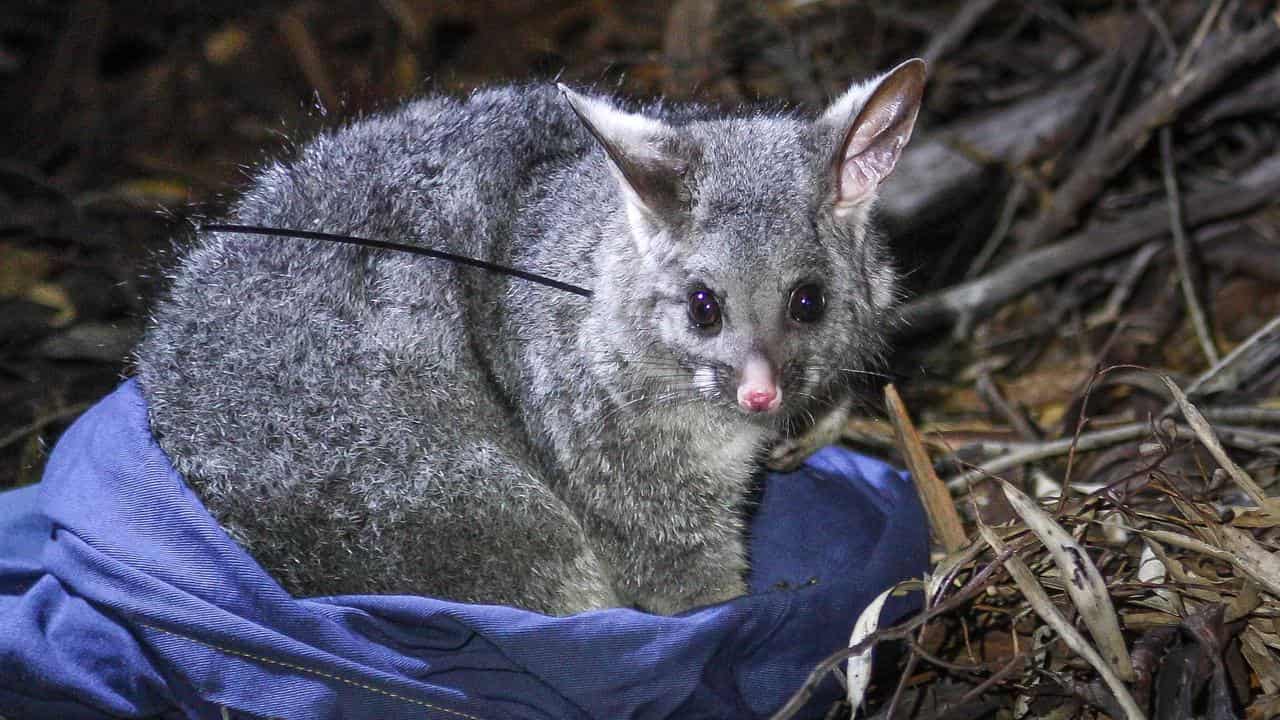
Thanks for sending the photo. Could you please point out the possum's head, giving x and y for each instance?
(744, 262)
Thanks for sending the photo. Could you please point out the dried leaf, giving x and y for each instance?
(1211, 443)
(149, 192)
(1148, 620)
(1044, 486)
(1265, 708)
(1153, 568)
(934, 496)
(1245, 602)
(54, 296)
(1044, 607)
(1266, 516)
(20, 269)
(1081, 578)
(945, 567)
(1259, 563)
(1261, 659)
(225, 45)
(859, 667)
(1187, 543)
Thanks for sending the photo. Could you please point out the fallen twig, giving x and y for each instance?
(929, 312)
(1023, 453)
(311, 60)
(1106, 158)
(1251, 357)
(957, 30)
(1182, 249)
(41, 422)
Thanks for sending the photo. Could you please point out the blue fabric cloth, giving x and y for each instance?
(121, 597)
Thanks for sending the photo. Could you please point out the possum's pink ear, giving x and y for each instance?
(877, 118)
(649, 176)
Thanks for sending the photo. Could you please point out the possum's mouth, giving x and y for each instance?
(720, 384)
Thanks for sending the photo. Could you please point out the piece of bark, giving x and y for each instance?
(947, 527)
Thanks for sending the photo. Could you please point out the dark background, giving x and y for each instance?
(120, 120)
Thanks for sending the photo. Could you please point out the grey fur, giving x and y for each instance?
(372, 422)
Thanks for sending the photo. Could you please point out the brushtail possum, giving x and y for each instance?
(364, 421)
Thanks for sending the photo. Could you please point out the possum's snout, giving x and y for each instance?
(758, 388)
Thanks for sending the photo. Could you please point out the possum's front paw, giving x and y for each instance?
(730, 590)
(790, 453)
(722, 589)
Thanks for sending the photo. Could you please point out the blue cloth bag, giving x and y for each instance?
(121, 597)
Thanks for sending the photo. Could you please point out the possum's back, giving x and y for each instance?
(295, 383)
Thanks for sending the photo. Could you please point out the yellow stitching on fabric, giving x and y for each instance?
(312, 671)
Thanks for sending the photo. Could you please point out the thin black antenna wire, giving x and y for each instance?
(400, 247)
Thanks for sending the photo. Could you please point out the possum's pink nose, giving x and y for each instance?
(759, 399)
(758, 391)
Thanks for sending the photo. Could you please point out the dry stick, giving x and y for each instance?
(957, 30)
(1239, 549)
(1124, 288)
(1182, 249)
(1238, 247)
(937, 176)
(297, 36)
(1133, 58)
(1053, 448)
(1261, 95)
(1012, 202)
(1108, 157)
(1023, 453)
(1207, 437)
(1247, 438)
(933, 494)
(942, 578)
(39, 423)
(1161, 29)
(976, 692)
(999, 404)
(935, 310)
(1243, 414)
(1256, 354)
(1055, 15)
(1197, 38)
(912, 661)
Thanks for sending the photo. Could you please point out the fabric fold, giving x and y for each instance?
(121, 597)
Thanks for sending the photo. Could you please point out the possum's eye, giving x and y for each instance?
(704, 308)
(807, 303)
